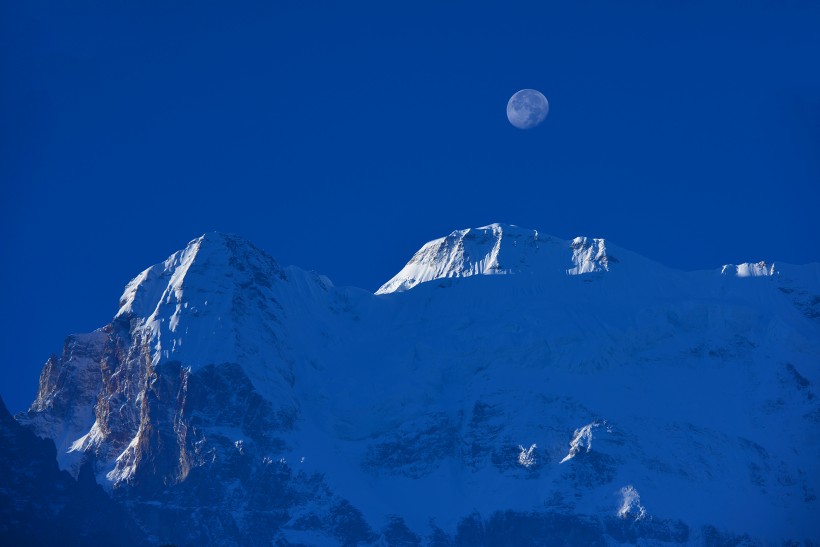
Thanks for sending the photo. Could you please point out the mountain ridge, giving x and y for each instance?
(494, 249)
(518, 395)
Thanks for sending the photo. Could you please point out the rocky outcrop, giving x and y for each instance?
(42, 505)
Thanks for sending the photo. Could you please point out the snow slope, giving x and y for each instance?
(499, 249)
(590, 396)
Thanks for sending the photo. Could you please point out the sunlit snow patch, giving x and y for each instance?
(126, 463)
(631, 504)
(526, 457)
(748, 269)
(588, 256)
(90, 440)
(581, 439)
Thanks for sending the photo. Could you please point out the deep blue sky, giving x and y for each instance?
(340, 138)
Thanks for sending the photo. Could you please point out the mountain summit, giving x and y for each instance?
(499, 249)
(213, 262)
(591, 397)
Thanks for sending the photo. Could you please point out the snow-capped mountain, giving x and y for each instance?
(590, 396)
(219, 301)
(499, 249)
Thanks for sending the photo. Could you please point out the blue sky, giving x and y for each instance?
(342, 137)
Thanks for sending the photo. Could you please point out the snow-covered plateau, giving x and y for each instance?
(505, 387)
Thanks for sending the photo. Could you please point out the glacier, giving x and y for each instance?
(234, 401)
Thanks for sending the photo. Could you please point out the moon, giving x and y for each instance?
(527, 108)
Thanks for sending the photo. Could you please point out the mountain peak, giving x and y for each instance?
(220, 290)
(499, 249)
(205, 261)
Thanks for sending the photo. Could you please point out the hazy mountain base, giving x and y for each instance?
(241, 496)
(41, 505)
(656, 405)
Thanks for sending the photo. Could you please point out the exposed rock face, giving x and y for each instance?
(590, 397)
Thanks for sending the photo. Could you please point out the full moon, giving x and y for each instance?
(527, 108)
